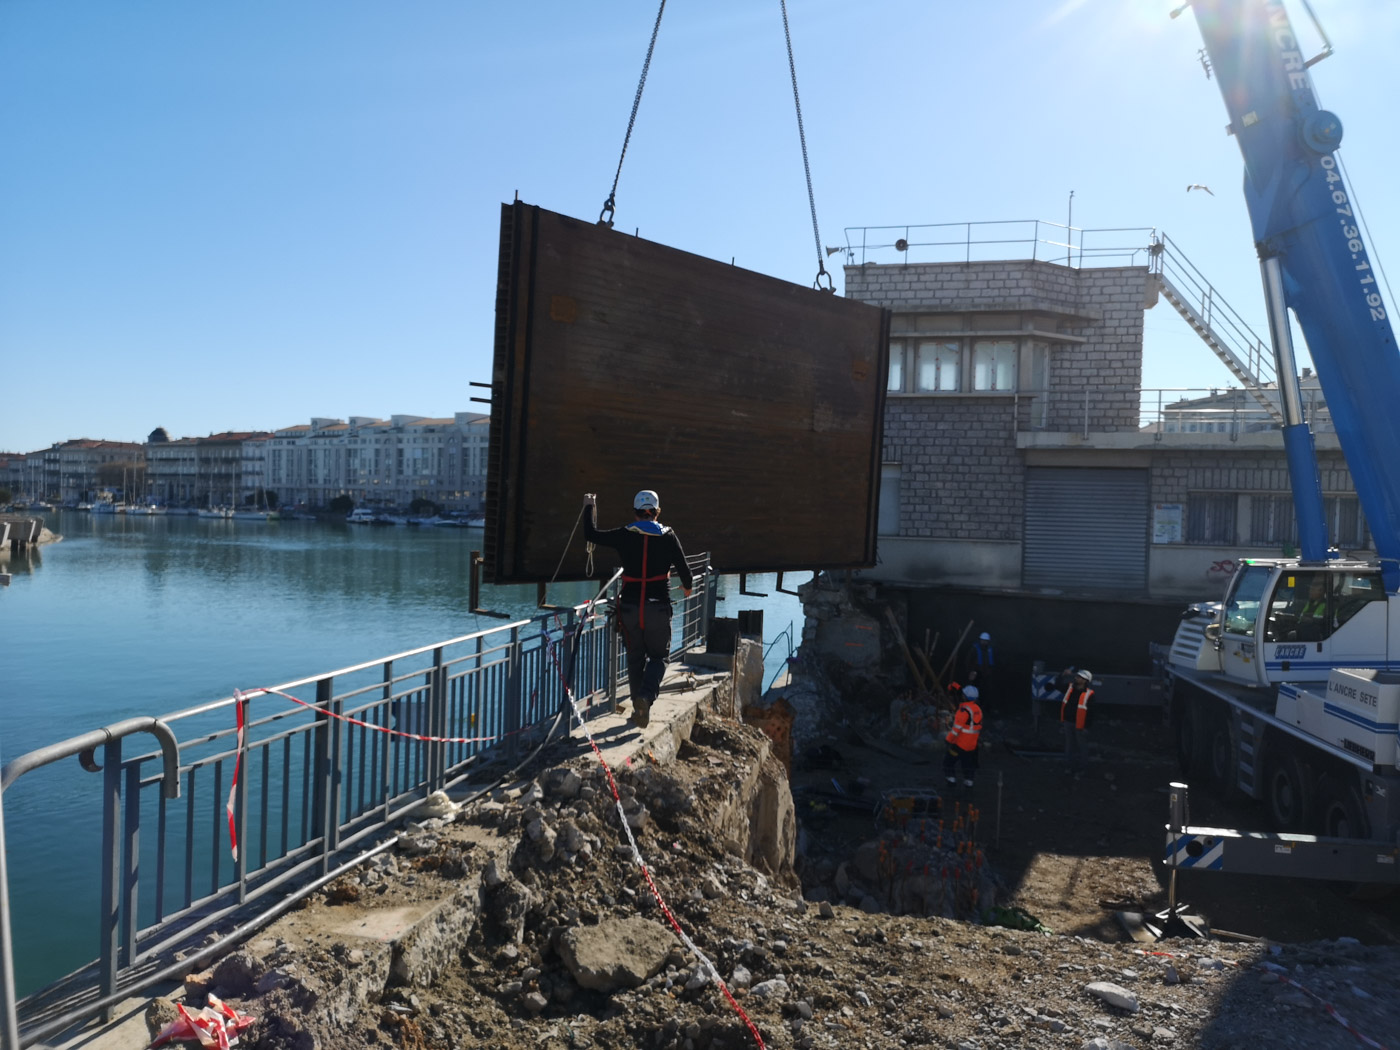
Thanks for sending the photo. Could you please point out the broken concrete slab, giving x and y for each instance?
(620, 953)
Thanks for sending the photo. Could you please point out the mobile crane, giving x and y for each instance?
(1288, 690)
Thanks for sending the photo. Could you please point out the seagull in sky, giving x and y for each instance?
(1198, 186)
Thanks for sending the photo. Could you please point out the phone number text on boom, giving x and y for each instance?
(1353, 239)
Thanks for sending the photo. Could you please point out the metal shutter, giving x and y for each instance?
(1085, 528)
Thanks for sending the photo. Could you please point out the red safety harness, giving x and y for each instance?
(644, 579)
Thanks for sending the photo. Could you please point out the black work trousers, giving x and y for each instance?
(648, 645)
(955, 757)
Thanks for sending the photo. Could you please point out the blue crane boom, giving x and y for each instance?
(1313, 260)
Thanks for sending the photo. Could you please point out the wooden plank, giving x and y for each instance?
(752, 405)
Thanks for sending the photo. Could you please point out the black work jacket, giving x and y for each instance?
(647, 559)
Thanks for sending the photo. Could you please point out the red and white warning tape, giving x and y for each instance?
(240, 703)
(707, 968)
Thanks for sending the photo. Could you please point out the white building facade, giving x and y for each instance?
(380, 462)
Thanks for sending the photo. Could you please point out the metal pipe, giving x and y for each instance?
(1285, 360)
(89, 742)
(1297, 438)
(7, 963)
(1178, 817)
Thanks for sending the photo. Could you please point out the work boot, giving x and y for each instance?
(641, 713)
(967, 783)
(952, 781)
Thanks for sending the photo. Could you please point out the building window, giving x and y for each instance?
(994, 364)
(953, 353)
(887, 520)
(1346, 526)
(1272, 522)
(938, 364)
(1211, 518)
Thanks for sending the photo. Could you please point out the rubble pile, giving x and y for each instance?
(928, 866)
(550, 938)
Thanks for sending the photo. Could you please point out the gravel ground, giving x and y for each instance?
(819, 972)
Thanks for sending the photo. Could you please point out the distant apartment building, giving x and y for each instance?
(76, 470)
(11, 471)
(373, 461)
(380, 462)
(173, 470)
(208, 471)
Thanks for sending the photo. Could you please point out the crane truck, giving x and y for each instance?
(1288, 690)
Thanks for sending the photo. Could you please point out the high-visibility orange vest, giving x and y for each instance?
(1081, 709)
(966, 730)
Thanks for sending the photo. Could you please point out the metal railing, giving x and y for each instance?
(1248, 357)
(998, 241)
(1231, 412)
(314, 770)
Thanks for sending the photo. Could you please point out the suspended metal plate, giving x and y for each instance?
(752, 406)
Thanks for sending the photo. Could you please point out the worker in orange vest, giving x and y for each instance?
(963, 738)
(1074, 718)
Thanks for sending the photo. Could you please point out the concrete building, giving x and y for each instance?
(378, 462)
(172, 468)
(71, 471)
(203, 472)
(1022, 456)
(12, 472)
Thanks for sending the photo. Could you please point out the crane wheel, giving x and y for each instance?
(1285, 792)
(1340, 813)
(1187, 724)
(1221, 757)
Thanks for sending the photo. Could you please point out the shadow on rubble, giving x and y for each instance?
(881, 829)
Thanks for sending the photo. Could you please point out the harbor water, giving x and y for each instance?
(147, 615)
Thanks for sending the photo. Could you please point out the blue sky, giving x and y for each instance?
(242, 215)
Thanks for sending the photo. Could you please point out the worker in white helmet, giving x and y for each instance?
(649, 551)
(1074, 718)
(979, 666)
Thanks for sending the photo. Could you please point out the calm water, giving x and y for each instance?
(150, 615)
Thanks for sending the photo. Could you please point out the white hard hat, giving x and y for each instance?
(970, 691)
(646, 500)
(1085, 674)
(984, 636)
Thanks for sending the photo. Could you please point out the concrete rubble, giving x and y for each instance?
(522, 920)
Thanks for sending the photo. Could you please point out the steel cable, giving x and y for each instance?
(806, 165)
(605, 217)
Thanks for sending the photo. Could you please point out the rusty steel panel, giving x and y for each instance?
(753, 406)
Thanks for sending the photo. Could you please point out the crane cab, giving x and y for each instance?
(1290, 621)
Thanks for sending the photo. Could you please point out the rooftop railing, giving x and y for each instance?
(995, 241)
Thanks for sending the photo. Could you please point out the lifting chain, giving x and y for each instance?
(605, 217)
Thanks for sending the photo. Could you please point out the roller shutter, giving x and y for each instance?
(1085, 528)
